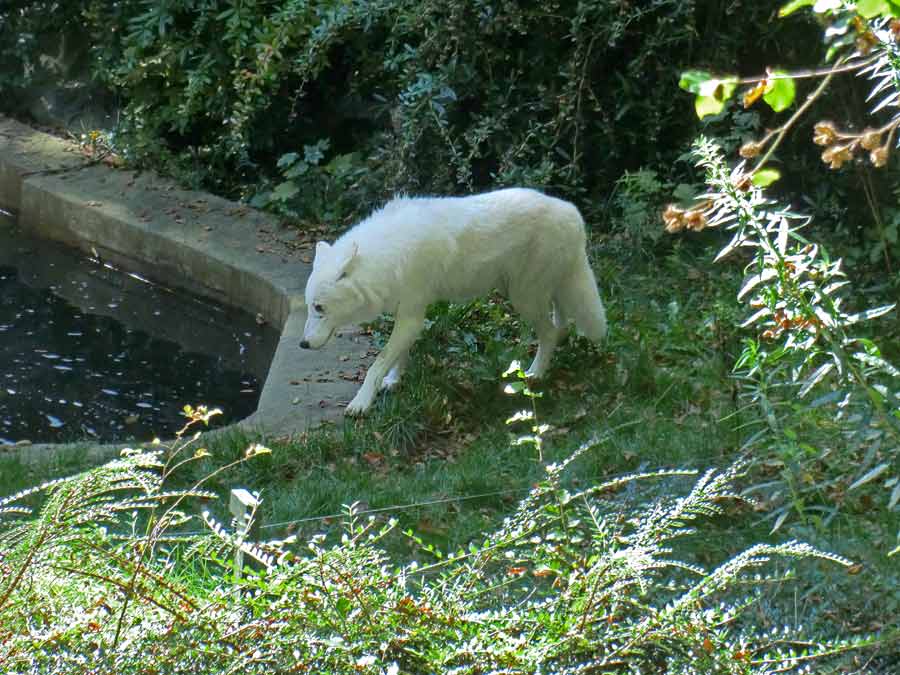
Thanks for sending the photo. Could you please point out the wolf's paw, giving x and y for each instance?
(358, 406)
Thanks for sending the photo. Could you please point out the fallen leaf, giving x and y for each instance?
(373, 458)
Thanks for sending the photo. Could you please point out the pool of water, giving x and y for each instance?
(89, 351)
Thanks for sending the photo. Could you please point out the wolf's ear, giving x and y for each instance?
(349, 263)
(322, 249)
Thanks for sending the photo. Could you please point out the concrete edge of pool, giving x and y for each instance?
(187, 239)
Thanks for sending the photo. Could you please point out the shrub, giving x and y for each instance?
(571, 582)
(423, 95)
(807, 343)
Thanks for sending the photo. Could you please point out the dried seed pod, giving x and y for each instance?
(870, 139)
(743, 182)
(895, 29)
(865, 42)
(824, 133)
(673, 217)
(837, 155)
(695, 220)
(879, 156)
(750, 149)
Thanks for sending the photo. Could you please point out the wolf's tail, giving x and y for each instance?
(577, 299)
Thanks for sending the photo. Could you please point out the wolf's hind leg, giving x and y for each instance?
(549, 333)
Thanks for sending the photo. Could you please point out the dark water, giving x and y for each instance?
(87, 351)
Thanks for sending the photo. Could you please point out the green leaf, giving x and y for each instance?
(815, 378)
(869, 9)
(514, 367)
(343, 606)
(869, 476)
(287, 159)
(685, 193)
(781, 91)
(765, 177)
(260, 200)
(793, 6)
(868, 314)
(313, 154)
(713, 96)
(692, 80)
(712, 91)
(707, 105)
(719, 88)
(284, 191)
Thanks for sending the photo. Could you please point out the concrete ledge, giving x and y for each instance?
(192, 240)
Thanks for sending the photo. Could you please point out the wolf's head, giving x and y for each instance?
(331, 300)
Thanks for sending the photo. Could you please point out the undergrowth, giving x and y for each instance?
(571, 581)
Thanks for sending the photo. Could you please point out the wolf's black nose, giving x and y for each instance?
(304, 344)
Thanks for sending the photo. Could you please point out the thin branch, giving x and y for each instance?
(807, 74)
(784, 128)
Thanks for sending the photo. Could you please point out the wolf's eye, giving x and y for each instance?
(319, 309)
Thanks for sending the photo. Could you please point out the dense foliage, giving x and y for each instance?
(359, 99)
(806, 342)
(571, 582)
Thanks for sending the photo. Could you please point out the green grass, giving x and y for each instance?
(661, 389)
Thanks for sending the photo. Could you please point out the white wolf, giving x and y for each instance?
(416, 251)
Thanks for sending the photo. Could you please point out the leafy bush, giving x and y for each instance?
(26, 29)
(807, 343)
(571, 582)
(423, 95)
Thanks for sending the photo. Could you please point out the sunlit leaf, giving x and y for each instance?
(815, 378)
(793, 6)
(873, 313)
(780, 91)
(765, 177)
(707, 105)
(755, 279)
(779, 521)
(713, 96)
(871, 8)
(691, 80)
(870, 475)
(712, 91)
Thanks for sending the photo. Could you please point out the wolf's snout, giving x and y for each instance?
(304, 344)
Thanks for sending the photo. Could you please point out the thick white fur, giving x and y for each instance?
(415, 251)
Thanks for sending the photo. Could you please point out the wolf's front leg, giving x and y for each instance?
(405, 332)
